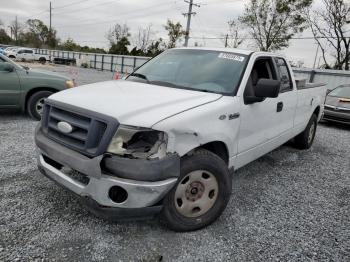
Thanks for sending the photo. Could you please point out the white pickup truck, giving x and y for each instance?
(164, 139)
(27, 54)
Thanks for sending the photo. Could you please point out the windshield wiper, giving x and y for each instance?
(142, 76)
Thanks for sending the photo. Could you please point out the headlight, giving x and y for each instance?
(70, 83)
(137, 142)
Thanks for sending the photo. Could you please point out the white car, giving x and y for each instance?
(27, 54)
(11, 52)
(164, 139)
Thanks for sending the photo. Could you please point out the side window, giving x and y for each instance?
(20, 51)
(29, 51)
(284, 75)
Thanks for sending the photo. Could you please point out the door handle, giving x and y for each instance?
(279, 106)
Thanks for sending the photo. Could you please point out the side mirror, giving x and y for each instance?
(267, 88)
(6, 67)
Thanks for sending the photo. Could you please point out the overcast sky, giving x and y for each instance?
(87, 21)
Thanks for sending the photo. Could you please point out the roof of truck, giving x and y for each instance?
(230, 50)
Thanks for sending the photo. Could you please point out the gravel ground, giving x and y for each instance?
(289, 205)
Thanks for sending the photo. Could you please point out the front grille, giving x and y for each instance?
(91, 132)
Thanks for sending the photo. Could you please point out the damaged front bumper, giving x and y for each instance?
(115, 187)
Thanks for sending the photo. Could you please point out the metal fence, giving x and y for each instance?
(332, 78)
(126, 64)
(113, 63)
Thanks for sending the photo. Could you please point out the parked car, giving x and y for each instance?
(26, 54)
(337, 105)
(25, 89)
(163, 140)
(2, 50)
(11, 52)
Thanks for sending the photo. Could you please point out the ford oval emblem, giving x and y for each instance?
(65, 127)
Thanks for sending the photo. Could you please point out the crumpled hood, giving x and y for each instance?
(133, 103)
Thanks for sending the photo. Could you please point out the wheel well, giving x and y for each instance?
(218, 148)
(317, 111)
(12, 56)
(35, 90)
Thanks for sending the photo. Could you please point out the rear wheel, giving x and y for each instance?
(35, 104)
(42, 60)
(305, 139)
(200, 195)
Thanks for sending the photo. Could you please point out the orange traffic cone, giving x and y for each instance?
(117, 76)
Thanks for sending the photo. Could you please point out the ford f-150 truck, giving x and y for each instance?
(165, 139)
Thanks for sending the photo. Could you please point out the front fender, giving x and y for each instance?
(201, 125)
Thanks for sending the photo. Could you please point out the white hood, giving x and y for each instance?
(133, 103)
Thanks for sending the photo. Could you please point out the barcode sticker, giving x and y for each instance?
(231, 57)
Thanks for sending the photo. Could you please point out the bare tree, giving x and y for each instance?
(329, 27)
(234, 37)
(117, 32)
(16, 28)
(143, 39)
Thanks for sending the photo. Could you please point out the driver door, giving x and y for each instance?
(258, 121)
(10, 90)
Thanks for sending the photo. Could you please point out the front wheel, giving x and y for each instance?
(200, 195)
(35, 105)
(305, 139)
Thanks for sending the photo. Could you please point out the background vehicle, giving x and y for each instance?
(2, 50)
(337, 105)
(25, 54)
(163, 141)
(11, 52)
(25, 89)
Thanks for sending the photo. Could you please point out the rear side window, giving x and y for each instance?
(284, 75)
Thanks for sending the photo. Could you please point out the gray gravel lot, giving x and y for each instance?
(290, 205)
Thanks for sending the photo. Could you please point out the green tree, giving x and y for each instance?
(156, 47)
(175, 33)
(272, 23)
(121, 47)
(70, 45)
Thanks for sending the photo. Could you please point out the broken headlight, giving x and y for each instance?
(137, 142)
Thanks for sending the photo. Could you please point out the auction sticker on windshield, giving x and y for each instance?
(231, 57)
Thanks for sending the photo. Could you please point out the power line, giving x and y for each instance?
(114, 20)
(71, 4)
(121, 15)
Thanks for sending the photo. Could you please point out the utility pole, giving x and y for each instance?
(50, 17)
(318, 46)
(189, 15)
(226, 40)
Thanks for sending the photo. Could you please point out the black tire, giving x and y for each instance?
(206, 161)
(305, 139)
(32, 104)
(42, 60)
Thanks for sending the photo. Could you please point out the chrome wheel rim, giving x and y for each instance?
(311, 132)
(39, 106)
(196, 193)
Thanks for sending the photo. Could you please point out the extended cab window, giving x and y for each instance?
(284, 75)
(201, 70)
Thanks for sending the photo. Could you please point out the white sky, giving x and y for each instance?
(87, 21)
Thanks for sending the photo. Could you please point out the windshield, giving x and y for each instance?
(201, 70)
(341, 91)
